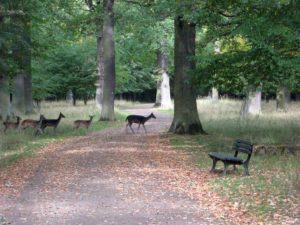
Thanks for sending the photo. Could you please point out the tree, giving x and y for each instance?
(22, 97)
(163, 95)
(186, 118)
(107, 112)
(259, 40)
(96, 11)
(16, 47)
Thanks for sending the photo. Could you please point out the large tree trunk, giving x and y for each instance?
(252, 102)
(99, 34)
(214, 94)
(22, 98)
(107, 112)
(163, 95)
(214, 90)
(4, 97)
(100, 67)
(18, 101)
(186, 118)
(282, 98)
(28, 101)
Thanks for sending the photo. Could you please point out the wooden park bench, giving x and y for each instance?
(238, 146)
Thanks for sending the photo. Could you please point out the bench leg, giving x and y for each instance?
(246, 169)
(214, 165)
(225, 169)
(234, 168)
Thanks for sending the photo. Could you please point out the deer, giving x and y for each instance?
(12, 125)
(138, 119)
(84, 123)
(49, 123)
(31, 123)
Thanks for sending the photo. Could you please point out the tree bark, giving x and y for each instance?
(22, 97)
(74, 99)
(252, 102)
(100, 67)
(4, 97)
(214, 94)
(186, 119)
(282, 99)
(28, 101)
(163, 95)
(107, 112)
(214, 90)
(18, 102)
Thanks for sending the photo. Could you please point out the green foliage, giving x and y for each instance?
(140, 33)
(260, 45)
(68, 67)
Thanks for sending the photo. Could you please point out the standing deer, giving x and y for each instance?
(11, 125)
(49, 123)
(84, 123)
(138, 119)
(31, 123)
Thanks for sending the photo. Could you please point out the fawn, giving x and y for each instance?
(138, 119)
(49, 123)
(84, 123)
(31, 123)
(12, 125)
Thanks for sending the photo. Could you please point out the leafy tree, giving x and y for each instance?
(186, 118)
(69, 67)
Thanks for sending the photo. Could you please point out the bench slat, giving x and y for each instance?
(242, 147)
(225, 157)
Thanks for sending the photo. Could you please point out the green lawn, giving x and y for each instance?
(272, 192)
(14, 145)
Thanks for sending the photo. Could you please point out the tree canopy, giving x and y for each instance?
(259, 44)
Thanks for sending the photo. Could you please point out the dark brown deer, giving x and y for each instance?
(84, 123)
(31, 123)
(138, 119)
(12, 125)
(49, 123)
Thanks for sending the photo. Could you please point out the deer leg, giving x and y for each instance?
(38, 130)
(225, 169)
(131, 128)
(214, 165)
(145, 128)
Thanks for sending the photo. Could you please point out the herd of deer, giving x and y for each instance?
(42, 123)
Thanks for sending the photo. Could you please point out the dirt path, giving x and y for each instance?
(109, 177)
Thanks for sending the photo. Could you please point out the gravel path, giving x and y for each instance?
(110, 177)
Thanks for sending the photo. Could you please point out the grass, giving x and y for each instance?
(14, 145)
(272, 192)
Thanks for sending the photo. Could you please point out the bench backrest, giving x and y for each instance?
(244, 147)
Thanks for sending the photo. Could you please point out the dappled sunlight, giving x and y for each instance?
(79, 151)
